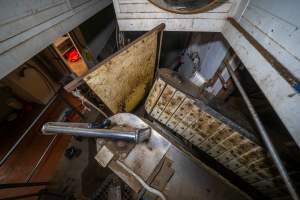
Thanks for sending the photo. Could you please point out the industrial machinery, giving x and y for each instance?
(166, 99)
(184, 111)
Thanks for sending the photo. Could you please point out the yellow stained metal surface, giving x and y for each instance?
(122, 81)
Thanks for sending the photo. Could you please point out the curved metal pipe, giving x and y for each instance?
(142, 182)
(13, 148)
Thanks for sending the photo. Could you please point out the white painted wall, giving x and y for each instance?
(215, 54)
(28, 26)
(141, 15)
(211, 48)
(275, 25)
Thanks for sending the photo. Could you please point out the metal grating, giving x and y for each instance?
(222, 139)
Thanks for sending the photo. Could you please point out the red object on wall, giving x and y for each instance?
(72, 55)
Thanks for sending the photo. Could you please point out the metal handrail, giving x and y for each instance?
(27, 182)
(13, 148)
(60, 118)
(266, 139)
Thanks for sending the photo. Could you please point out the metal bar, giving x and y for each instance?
(13, 148)
(16, 185)
(274, 154)
(137, 136)
(79, 80)
(40, 160)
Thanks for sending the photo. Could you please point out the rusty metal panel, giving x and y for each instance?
(196, 139)
(187, 121)
(156, 90)
(191, 119)
(122, 80)
(179, 114)
(174, 103)
(212, 133)
(163, 101)
(216, 150)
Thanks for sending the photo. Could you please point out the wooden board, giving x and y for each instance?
(64, 44)
(122, 80)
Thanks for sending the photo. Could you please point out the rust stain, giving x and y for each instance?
(115, 81)
(236, 152)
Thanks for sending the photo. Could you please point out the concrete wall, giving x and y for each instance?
(28, 26)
